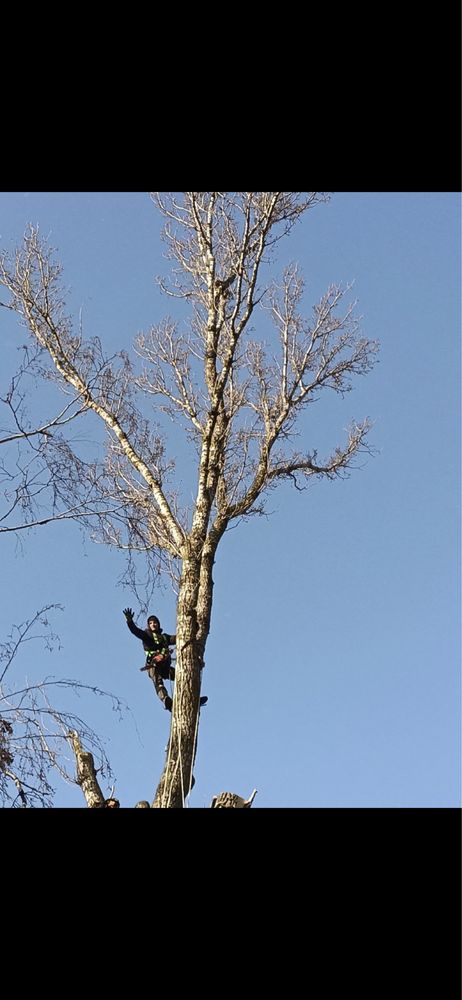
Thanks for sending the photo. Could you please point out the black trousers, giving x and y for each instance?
(160, 672)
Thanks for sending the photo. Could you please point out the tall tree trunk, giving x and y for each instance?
(177, 777)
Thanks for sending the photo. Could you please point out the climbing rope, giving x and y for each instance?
(180, 759)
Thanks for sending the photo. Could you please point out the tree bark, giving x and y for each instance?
(86, 774)
(229, 800)
(177, 777)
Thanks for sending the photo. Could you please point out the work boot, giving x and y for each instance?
(168, 703)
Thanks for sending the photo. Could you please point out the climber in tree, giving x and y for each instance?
(158, 659)
(156, 646)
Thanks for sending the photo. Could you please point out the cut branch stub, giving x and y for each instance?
(86, 775)
(229, 800)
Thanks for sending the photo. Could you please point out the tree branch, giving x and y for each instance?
(33, 286)
(86, 773)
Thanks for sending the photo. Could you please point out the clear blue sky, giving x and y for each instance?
(333, 664)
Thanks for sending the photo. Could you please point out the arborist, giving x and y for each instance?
(158, 658)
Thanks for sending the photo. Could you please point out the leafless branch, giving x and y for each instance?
(22, 633)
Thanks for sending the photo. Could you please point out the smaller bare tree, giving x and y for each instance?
(34, 733)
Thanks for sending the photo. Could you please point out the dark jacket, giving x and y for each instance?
(152, 642)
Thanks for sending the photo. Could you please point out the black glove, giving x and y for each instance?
(128, 613)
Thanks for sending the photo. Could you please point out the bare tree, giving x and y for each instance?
(38, 485)
(237, 397)
(35, 733)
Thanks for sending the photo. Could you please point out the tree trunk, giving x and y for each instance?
(177, 777)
